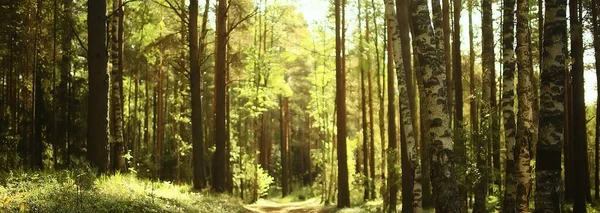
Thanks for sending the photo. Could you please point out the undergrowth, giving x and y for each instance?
(76, 191)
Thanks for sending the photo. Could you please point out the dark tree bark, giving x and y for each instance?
(285, 160)
(392, 150)
(553, 75)
(596, 33)
(97, 137)
(340, 76)
(459, 143)
(196, 93)
(219, 160)
(579, 144)
(116, 81)
(65, 78)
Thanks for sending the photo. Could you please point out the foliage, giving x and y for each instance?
(59, 192)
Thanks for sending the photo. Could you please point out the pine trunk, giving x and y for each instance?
(459, 142)
(340, 76)
(219, 160)
(98, 86)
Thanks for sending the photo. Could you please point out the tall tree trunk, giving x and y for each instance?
(525, 111)
(371, 121)
(488, 75)
(579, 144)
(473, 104)
(406, 115)
(160, 117)
(196, 93)
(285, 160)
(218, 174)
(340, 76)
(508, 105)
(459, 142)
(97, 138)
(65, 78)
(363, 103)
(431, 64)
(116, 80)
(596, 33)
(392, 150)
(448, 56)
(553, 75)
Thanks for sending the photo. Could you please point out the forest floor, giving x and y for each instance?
(308, 206)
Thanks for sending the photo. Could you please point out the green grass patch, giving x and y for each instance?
(68, 191)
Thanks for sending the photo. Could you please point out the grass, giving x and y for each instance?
(68, 191)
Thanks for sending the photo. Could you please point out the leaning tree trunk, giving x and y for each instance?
(549, 147)
(406, 114)
(525, 110)
(431, 63)
(508, 108)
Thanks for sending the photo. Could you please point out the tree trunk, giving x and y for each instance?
(196, 93)
(285, 160)
(508, 105)
(392, 150)
(371, 120)
(431, 64)
(473, 103)
(549, 148)
(596, 33)
(116, 80)
(525, 111)
(363, 103)
(98, 86)
(459, 142)
(414, 168)
(218, 174)
(340, 76)
(65, 78)
(579, 144)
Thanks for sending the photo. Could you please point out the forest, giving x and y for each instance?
(448, 106)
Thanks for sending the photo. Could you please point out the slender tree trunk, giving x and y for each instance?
(116, 79)
(363, 102)
(343, 189)
(98, 86)
(407, 117)
(473, 104)
(508, 102)
(160, 124)
(392, 150)
(218, 174)
(285, 178)
(459, 142)
(65, 78)
(596, 33)
(196, 93)
(549, 148)
(525, 111)
(488, 75)
(371, 120)
(579, 134)
(448, 55)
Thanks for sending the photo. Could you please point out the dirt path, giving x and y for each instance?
(307, 206)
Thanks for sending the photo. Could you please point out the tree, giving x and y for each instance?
(596, 31)
(525, 111)
(459, 144)
(392, 150)
(219, 160)
(508, 102)
(195, 84)
(579, 142)
(340, 100)
(116, 81)
(553, 75)
(97, 137)
(431, 65)
(406, 114)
